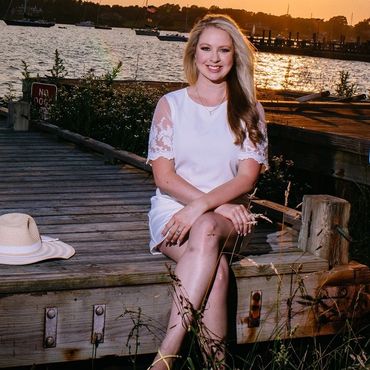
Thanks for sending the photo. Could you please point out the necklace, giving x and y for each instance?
(210, 111)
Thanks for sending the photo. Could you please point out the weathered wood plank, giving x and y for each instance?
(330, 131)
(278, 211)
(127, 191)
(79, 185)
(324, 226)
(135, 198)
(82, 210)
(318, 106)
(53, 276)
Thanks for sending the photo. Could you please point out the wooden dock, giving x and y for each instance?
(65, 310)
(324, 138)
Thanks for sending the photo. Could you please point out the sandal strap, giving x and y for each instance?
(163, 358)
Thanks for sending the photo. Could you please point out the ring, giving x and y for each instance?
(178, 232)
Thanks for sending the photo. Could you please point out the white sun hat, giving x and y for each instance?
(21, 243)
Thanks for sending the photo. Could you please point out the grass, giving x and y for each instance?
(348, 349)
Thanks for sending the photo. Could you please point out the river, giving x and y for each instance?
(147, 58)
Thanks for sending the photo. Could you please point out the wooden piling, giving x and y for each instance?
(324, 231)
(19, 115)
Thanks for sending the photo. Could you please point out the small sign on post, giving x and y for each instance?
(43, 95)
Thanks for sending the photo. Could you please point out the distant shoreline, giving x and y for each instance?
(316, 53)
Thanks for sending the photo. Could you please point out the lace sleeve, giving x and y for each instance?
(259, 152)
(161, 132)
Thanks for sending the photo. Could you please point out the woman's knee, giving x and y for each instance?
(206, 233)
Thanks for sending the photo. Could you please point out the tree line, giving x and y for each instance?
(174, 17)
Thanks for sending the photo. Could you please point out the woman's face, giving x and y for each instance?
(214, 54)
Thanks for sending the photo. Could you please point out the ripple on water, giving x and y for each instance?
(147, 58)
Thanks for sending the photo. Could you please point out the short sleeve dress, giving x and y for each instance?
(199, 141)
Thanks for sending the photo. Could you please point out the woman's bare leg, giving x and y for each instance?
(215, 314)
(197, 266)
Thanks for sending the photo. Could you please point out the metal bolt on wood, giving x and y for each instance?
(51, 313)
(49, 342)
(99, 310)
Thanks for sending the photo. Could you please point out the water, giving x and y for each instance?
(147, 58)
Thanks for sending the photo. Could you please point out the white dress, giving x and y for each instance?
(201, 144)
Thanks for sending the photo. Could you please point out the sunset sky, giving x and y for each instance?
(357, 10)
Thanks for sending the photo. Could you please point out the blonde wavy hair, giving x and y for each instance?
(240, 80)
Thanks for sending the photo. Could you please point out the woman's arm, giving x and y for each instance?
(218, 199)
(161, 156)
(241, 184)
(169, 182)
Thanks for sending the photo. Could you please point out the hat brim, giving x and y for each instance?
(50, 248)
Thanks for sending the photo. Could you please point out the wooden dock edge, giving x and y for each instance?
(284, 306)
(110, 153)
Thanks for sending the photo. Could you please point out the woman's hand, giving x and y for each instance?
(180, 223)
(238, 214)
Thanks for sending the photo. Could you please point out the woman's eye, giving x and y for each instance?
(225, 50)
(205, 48)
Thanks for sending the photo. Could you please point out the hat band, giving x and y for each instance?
(20, 249)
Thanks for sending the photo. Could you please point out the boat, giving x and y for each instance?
(26, 20)
(29, 22)
(102, 27)
(99, 25)
(175, 37)
(148, 30)
(85, 24)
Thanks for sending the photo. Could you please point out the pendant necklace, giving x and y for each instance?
(210, 111)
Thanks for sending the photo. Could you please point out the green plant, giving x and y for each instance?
(58, 70)
(274, 183)
(344, 88)
(26, 72)
(110, 76)
(119, 116)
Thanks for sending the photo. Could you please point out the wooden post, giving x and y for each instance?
(324, 231)
(19, 115)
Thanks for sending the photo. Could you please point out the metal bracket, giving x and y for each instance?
(97, 335)
(255, 306)
(50, 327)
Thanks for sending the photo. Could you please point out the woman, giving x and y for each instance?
(207, 147)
